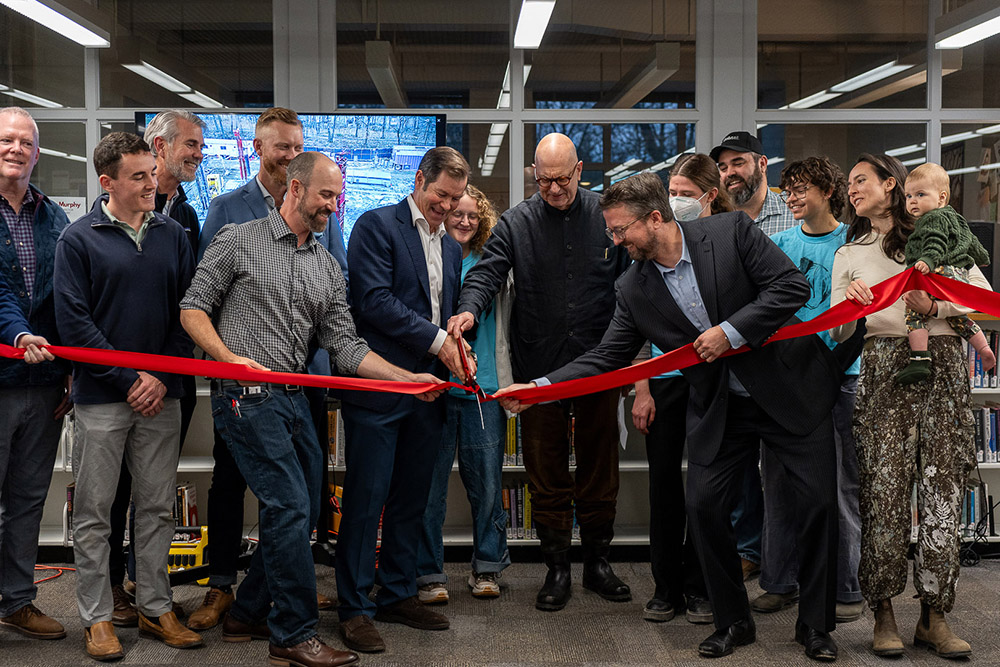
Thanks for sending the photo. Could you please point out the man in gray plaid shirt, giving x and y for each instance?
(269, 287)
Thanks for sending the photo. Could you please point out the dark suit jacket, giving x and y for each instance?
(743, 278)
(390, 294)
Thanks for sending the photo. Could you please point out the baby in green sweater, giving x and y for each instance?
(941, 240)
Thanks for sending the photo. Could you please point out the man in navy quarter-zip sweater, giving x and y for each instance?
(120, 273)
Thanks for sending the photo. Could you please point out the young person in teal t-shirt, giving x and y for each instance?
(815, 190)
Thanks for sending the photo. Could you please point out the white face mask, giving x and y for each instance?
(687, 209)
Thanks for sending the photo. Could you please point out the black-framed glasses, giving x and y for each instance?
(797, 192)
(620, 232)
(561, 181)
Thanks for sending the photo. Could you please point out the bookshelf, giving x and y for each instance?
(986, 400)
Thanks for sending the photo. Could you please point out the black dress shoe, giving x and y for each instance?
(819, 644)
(722, 642)
(658, 610)
(699, 610)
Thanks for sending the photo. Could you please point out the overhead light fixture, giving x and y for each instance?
(644, 78)
(202, 100)
(915, 161)
(903, 150)
(532, 22)
(955, 138)
(991, 129)
(157, 76)
(614, 171)
(971, 170)
(871, 76)
(67, 156)
(972, 22)
(775, 160)
(74, 20)
(811, 100)
(28, 97)
(380, 59)
(498, 130)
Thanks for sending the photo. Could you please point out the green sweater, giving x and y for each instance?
(942, 238)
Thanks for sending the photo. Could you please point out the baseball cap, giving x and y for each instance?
(742, 142)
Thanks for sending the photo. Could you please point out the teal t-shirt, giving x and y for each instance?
(485, 345)
(813, 255)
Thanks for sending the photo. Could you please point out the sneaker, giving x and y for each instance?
(484, 585)
(31, 622)
(432, 594)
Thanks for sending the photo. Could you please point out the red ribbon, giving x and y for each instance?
(885, 294)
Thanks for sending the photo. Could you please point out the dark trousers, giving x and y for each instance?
(672, 556)
(545, 433)
(390, 459)
(809, 461)
(119, 561)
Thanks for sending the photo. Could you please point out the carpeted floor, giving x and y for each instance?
(509, 631)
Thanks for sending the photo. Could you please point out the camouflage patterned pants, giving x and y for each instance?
(912, 434)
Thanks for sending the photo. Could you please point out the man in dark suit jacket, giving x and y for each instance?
(405, 273)
(720, 283)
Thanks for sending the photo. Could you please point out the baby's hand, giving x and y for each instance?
(922, 267)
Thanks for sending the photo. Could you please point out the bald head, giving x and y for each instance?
(557, 170)
(314, 185)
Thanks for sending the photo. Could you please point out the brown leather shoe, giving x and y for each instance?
(410, 612)
(324, 603)
(312, 652)
(359, 633)
(31, 622)
(169, 631)
(124, 614)
(238, 631)
(101, 643)
(215, 605)
(750, 569)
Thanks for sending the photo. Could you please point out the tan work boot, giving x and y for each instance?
(169, 631)
(31, 622)
(934, 633)
(886, 637)
(101, 642)
(215, 605)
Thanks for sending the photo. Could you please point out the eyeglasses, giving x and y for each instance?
(620, 232)
(797, 192)
(561, 181)
(459, 215)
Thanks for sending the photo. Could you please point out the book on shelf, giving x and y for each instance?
(334, 432)
(979, 379)
(186, 505)
(985, 434)
(70, 491)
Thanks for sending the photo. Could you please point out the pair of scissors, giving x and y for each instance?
(471, 383)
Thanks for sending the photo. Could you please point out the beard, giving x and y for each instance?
(276, 170)
(742, 195)
(316, 221)
(176, 170)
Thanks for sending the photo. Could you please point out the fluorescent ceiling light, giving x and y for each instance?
(201, 100)
(622, 166)
(971, 170)
(66, 22)
(532, 22)
(955, 138)
(912, 148)
(811, 100)
(495, 140)
(871, 76)
(68, 156)
(775, 160)
(157, 76)
(492, 151)
(914, 161)
(971, 35)
(28, 97)
(597, 188)
(992, 129)
(486, 171)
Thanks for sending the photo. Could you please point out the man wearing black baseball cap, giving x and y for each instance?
(743, 169)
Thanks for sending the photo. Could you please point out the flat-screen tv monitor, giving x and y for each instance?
(377, 153)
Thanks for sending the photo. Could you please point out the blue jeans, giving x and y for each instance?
(480, 462)
(272, 439)
(29, 438)
(780, 569)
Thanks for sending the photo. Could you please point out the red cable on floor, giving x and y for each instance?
(59, 572)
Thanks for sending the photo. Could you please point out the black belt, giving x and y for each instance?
(269, 386)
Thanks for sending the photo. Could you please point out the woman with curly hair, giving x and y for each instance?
(480, 446)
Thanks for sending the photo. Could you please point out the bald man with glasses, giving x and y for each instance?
(564, 271)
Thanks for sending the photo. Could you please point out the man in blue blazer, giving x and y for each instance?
(277, 140)
(405, 277)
